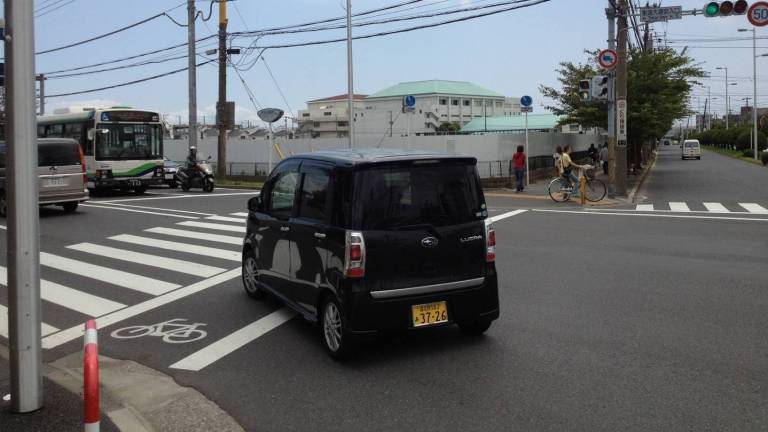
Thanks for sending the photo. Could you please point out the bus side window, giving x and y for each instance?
(55, 131)
(41, 131)
(75, 131)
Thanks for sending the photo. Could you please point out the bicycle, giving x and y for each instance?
(560, 188)
(172, 331)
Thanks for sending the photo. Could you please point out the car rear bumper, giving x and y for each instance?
(125, 182)
(64, 197)
(368, 316)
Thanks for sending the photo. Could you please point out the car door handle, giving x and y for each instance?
(285, 228)
(319, 235)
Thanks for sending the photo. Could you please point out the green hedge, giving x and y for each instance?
(736, 136)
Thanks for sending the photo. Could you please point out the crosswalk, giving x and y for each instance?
(705, 207)
(126, 274)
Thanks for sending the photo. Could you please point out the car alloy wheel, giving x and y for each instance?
(251, 276)
(332, 327)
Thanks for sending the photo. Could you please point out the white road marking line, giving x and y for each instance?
(506, 215)
(69, 298)
(45, 329)
(179, 196)
(654, 215)
(225, 219)
(754, 208)
(138, 211)
(241, 214)
(169, 264)
(194, 235)
(679, 207)
(220, 227)
(163, 209)
(76, 332)
(234, 341)
(716, 207)
(179, 247)
(3, 227)
(644, 207)
(115, 277)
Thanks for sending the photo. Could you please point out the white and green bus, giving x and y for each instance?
(123, 147)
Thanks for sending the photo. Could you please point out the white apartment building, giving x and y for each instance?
(328, 117)
(382, 113)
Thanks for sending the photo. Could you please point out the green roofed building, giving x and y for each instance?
(536, 122)
(437, 102)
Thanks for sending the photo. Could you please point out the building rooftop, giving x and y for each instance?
(516, 123)
(459, 88)
(355, 96)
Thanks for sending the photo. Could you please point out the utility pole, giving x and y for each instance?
(192, 73)
(41, 78)
(617, 148)
(221, 163)
(23, 258)
(610, 13)
(350, 81)
(754, 94)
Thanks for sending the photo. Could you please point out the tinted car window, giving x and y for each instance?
(283, 192)
(58, 154)
(314, 194)
(437, 194)
(691, 144)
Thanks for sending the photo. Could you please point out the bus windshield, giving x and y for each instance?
(128, 141)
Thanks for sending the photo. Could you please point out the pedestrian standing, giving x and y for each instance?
(604, 158)
(558, 164)
(592, 153)
(518, 162)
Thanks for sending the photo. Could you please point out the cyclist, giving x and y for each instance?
(568, 166)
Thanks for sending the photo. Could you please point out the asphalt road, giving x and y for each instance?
(612, 319)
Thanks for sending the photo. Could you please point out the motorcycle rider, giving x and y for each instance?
(191, 165)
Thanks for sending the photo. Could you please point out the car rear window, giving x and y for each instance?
(60, 153)
(439, 194)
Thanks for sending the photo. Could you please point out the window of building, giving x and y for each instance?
(316, 124)
(455, 102)
(342, 124)
(443, 101)
(498, 104)
(328, 113)
(478, 102)
(489, 103)
(466, 102)
(305, 114)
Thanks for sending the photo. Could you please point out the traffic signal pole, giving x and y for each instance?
(221, 162)
(192, 73)
(620, 153)
(610, 13)
(23, 258)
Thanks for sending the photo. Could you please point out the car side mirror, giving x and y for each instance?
(255, 204)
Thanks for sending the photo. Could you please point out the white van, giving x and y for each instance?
(691, 149)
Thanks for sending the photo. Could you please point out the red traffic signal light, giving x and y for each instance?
(740, 7)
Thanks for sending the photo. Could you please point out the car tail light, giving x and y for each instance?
(490, 243)
(354, 263)
(82, 164)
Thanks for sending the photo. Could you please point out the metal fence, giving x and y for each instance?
(245, 169)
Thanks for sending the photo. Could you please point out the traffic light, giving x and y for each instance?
(585, 94)
(725, 8)
(601, 88)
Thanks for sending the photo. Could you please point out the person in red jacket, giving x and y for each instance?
(518, 163)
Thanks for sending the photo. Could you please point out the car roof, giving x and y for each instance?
(354, 157)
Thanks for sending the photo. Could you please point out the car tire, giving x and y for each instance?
(3, 204)
(250, 276)
(173, 185)
(70, 207)
(474, 328)
(140, 190)
(333, 330)
(185, 187)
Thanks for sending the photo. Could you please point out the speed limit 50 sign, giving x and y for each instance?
(758, 14)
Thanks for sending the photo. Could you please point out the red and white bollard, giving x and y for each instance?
(91, 378)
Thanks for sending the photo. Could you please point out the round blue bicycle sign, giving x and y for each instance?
(526, 101)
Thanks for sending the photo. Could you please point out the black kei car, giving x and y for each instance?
(375, 241)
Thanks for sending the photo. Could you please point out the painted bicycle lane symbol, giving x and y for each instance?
(175, 331)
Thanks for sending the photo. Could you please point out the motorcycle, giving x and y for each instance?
(202, 177)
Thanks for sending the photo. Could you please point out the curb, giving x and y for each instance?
(139, 399)
(647, 172)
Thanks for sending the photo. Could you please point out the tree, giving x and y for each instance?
(450, 127)
(658, 87)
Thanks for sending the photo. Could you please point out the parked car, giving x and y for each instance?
(691, 149)
(365, 242)
(61, 173)
(170, 168)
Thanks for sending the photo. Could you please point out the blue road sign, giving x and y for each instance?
(526, 101)
(410, 101)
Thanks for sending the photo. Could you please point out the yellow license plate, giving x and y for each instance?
(429, 314)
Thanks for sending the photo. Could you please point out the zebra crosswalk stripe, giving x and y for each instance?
(754, 208)
(240, 214)
(194, 235)
(178, 247)
(115, 277)
(644, 207)
(213, 226)
(164, 263)
(225, 219)
(45, 329)
(679, 207)
(716, 207)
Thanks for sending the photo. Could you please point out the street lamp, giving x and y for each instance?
(727, 99)
(754, 88)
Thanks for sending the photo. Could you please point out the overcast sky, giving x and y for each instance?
(511, 53)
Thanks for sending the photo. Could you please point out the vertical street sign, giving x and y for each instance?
(621, 122)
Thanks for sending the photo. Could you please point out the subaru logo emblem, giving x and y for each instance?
(429, 242)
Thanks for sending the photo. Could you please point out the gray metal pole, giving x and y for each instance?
(23, 214)
(350, 81)
(754, 95)
(192, 72)
(527, 171)
(610, 13)
(41, 78)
